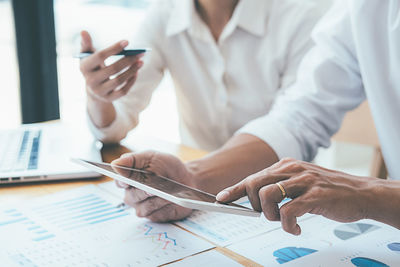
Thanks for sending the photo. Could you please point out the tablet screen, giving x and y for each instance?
(161, 183)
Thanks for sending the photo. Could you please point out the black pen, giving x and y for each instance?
(127, 52)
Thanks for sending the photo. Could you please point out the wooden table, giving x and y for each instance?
(23, 192)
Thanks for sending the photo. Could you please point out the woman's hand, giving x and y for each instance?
(108, 83)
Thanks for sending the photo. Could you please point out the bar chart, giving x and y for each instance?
(80, 212)
(14, 219)
(88, 227)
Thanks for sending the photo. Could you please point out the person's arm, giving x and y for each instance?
(112, 118)
(306, 115)
(241, 156)
(385, 202)
(330, 73)
(101, 89)
(332, 194)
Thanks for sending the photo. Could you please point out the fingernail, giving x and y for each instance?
(124, 43)
(298, 230)
(117, 162)
(222, 195)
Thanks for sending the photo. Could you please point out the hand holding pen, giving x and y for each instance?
(108, 83)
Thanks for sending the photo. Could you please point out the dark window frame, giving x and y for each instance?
(37, 59)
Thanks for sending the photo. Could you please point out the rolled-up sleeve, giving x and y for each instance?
(275, 135)
(306, 115)
(116, 131)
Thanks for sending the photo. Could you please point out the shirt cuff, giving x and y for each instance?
(113, 133)
(275, 135)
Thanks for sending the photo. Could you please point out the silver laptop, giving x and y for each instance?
(38, 152)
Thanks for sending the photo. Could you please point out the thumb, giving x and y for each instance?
(86, 42)
(126, 160)
(232, 193)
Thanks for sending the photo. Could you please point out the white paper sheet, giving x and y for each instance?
(85, 227)
(379, 248)
(113, 189)
(225, 229)
(210, 258)
(278, 248)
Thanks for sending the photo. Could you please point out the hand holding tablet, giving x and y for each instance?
(166, 188)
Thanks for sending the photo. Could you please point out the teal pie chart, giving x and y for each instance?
(366, 262)
(287, 254)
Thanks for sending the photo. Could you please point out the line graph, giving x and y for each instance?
(155, 238)
(160, 236)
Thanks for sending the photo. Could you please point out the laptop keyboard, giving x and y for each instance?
(19, 150)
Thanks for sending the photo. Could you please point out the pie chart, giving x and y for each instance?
(365, 262)
(394, 247)
(350, 230)
(287, 254)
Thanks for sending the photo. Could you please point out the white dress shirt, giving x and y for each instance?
(357, 56)
(220, 86)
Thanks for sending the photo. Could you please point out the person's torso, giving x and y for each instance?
(220, 86)
(376, 31)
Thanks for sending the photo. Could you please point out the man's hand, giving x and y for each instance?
(152, 207)
(335, 195)
(100, 83)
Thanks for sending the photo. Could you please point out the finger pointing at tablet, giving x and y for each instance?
(313, 189)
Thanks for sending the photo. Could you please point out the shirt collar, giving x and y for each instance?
(250, 15)
(181, 16)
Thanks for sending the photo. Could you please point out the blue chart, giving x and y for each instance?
(80, 211)
(87, 227)
(17, 220)
(68, 214)
(394, 247)
(365, 262)
(287, 254)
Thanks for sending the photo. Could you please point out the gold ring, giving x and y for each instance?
(283, 191)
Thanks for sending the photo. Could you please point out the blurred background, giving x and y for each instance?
(109, 21)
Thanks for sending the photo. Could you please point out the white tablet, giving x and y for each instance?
(166, 188)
